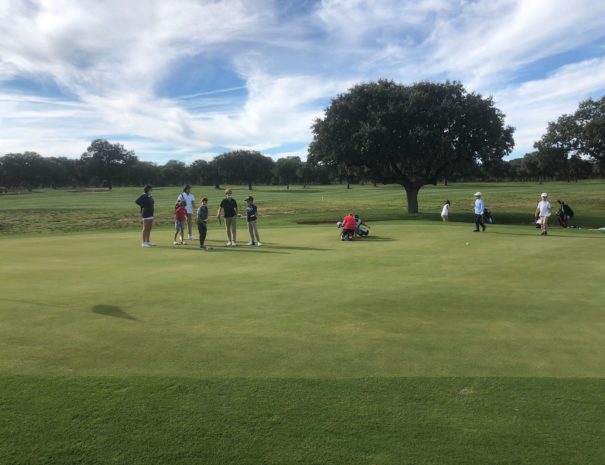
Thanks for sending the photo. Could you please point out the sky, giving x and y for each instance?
(191, 79)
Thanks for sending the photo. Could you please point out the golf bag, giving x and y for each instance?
(487, 216)
(361, 229)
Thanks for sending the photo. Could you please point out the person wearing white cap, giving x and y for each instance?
(479, 209)
(543, 212)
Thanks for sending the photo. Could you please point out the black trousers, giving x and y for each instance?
(202, 229)
(479, 222)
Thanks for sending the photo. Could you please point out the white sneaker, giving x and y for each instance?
(145, 244)
(234, 244)
(183, 243)
(258, 244)
(152, 244)
(175, 243)
(229, 244)
(191, 238)
(250, 243)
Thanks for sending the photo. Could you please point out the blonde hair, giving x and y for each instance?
(228, 191)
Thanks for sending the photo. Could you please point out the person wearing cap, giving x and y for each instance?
(229, 207)
(479, 210)
(543, 212)
(251, 219)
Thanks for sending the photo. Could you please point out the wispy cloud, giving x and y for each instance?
(72, 71)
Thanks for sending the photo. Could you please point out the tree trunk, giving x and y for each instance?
(249, 185)
(412, 196)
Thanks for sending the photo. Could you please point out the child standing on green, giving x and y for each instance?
(202, 221)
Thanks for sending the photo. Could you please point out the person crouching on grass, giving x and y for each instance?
(180, 218)
(348, 227)
(251, 220)
(543, 212)
(202, 221)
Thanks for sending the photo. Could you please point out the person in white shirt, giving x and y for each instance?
(479, 209)
(445, 211)
(189, 199)
(543, 212)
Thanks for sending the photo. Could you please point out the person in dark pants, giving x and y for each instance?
(202, 221)
(479, 210)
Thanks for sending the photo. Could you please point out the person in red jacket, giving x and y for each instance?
(180, 218)
(348, 227)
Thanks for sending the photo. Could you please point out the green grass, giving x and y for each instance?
(410, 347)
(78, 210)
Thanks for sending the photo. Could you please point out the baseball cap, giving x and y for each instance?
(249, 198)
(477, 194)
(544, 194)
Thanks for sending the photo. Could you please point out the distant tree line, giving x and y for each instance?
(106, 164)
(361, 139)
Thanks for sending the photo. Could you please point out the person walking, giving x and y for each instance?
(146, 203)
(189, 199)
(251, 211)
(202, 221)
(229, 208)
(479, 210)
(445, 211)
(543, 212)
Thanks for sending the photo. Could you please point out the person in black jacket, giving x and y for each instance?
(145, 201)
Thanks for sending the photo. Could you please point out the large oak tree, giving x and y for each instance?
(410, 135)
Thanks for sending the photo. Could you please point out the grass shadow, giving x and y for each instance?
(112, 310)
(377, 238)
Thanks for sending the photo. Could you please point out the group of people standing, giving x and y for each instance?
(183, 214)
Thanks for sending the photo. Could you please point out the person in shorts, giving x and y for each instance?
(189, 199)
(445, 211)
(229, 208)
(146, 203)
(543, 212)
(251, 212)
(180, 218)
(202, 221)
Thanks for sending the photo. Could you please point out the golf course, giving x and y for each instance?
(421, 344)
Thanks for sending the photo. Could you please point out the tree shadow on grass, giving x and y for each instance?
(112, 310)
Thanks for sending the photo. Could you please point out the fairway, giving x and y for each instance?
(424, 343)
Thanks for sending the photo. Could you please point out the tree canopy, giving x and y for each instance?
(582, 133)
(410, 135)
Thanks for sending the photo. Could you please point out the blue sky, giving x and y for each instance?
(190, 79)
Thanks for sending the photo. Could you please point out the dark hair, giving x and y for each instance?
(187, 187)
(205, 199)
(147, 188)
(448, 202)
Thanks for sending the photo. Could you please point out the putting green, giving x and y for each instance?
(412, 300)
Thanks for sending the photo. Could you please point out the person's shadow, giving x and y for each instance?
(112, 310)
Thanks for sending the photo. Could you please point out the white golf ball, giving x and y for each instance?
(468, 243)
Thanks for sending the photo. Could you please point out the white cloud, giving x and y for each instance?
(109, 58)
(530, 106)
